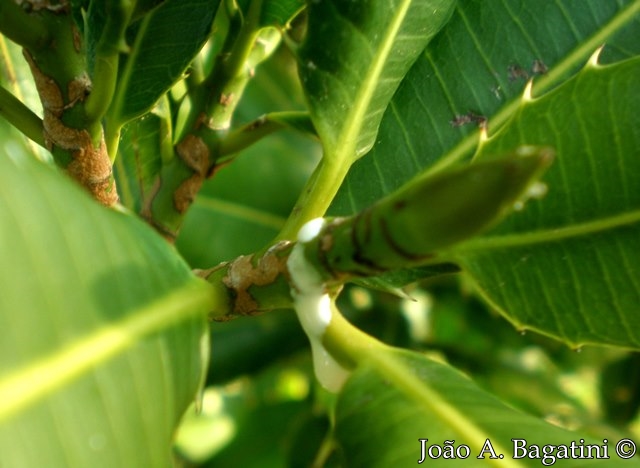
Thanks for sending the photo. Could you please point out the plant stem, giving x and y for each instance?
(316, 197)
(60, 74)
(245, 136)
(348, 344)
(105, 74)
(244, 42)
(213, 102)
(23, 29)
(234, 68)
(354, 348)
(21, 117)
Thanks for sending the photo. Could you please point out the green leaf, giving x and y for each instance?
(566, 265)
(276, 12)
(620, 389)
(280, 12)
(162, 45)
(102, 328)
(353, 58)
(401, 397)
(466, 68)
(145, 146)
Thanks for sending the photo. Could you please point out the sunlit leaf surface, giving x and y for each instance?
(102, 326)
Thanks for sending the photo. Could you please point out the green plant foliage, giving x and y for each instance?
(576, 244)
(89, 365)
(446, 294)
(466, 69)
(250, 199)
(354, 56)
(386, 407)
(276, 12)
(163, 43)
(145, 146)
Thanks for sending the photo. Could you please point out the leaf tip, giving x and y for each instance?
(593, 60)
(484, 136)
(527, 93)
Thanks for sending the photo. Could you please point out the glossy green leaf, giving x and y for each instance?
(145, 146)
(280, 12)
(466, 68)
(566, 265)
(385, 408)
(162, 44)
(275, 12)
(353, 58)
(102, 328)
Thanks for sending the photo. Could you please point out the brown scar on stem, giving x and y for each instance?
(226, 99)
(61, 6)
(242, 274)
(90, 164)
(78, 89)
(77, 38)
(195, 153)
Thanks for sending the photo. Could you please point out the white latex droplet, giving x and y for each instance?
(310, 230)
(313, 307)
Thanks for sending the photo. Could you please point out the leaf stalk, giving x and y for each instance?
(21, 117)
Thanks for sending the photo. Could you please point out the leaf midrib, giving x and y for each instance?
(481, 244)
(29, 384)
(543, 84)
(345, 146)
(396, 371)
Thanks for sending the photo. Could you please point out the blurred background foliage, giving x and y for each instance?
(262, 405)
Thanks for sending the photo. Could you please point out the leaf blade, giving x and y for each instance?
(347, 92)
(460, 71)
(165, 42)
(90, 358)
(387, 407)
(579, 243)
